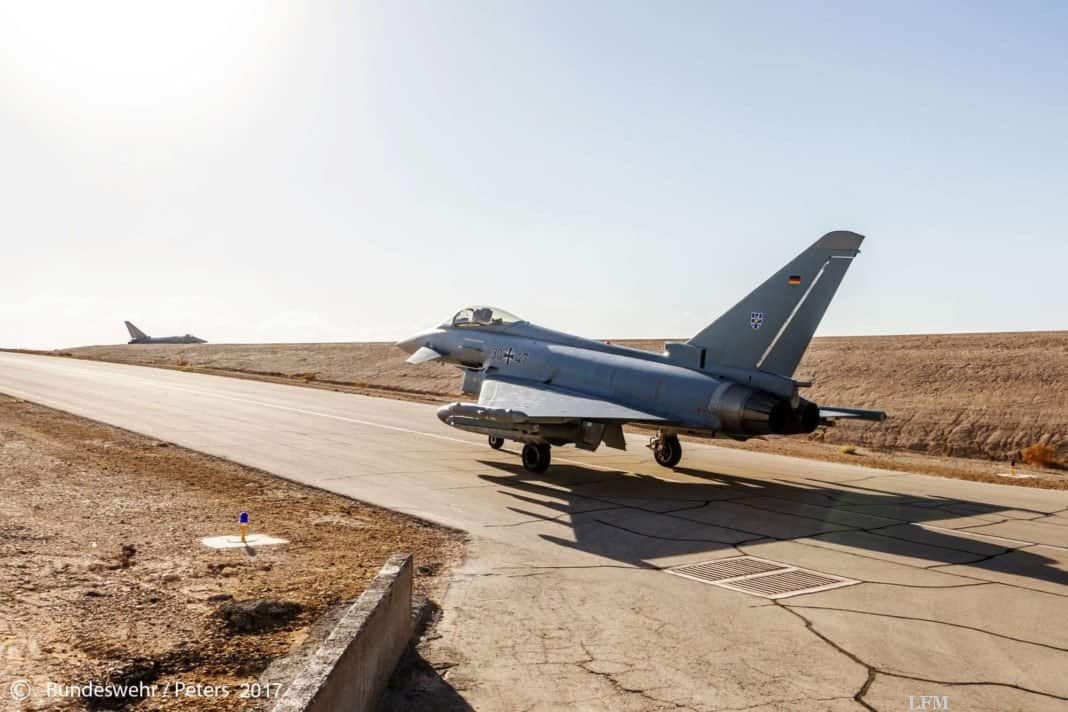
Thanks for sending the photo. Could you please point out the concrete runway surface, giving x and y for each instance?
(564, 600)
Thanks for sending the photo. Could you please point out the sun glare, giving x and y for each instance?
(135, 53)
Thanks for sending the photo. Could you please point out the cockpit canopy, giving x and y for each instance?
(482, 316)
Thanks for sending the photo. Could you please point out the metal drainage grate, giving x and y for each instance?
(760, 577)
(727, 568)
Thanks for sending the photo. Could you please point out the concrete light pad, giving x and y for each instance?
(234, 542)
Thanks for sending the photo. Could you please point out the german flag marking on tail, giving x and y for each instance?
(794, 279)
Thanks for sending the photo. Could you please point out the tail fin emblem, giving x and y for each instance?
(756, 319)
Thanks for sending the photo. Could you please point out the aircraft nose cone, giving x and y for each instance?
(415, 342)
(409, 345)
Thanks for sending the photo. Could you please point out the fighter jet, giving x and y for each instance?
(733, 379)
(139, 337)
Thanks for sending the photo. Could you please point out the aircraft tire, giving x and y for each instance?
(668, 451)
(536, 457)
(496, 442)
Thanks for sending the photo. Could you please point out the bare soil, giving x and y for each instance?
(104, 577)
(951, 398)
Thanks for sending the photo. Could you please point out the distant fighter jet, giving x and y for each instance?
(139, 337)
(734, 378)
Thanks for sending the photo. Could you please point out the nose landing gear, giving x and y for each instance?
(496, 442)
(667, 450)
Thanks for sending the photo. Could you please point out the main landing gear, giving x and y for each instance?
(667, 450)
(536, 457)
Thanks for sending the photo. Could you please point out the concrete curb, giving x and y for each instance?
(351, 668)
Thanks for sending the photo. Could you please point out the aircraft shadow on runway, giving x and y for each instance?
(636, 519)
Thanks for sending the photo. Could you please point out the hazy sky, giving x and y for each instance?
(313, 171)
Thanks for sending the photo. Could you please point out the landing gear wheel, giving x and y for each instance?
(496, 441)
(536, 457)
(667, 450)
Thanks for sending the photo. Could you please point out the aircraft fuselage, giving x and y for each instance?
(685, 398)
(545, 388)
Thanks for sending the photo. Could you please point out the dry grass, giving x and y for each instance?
(1039, 455)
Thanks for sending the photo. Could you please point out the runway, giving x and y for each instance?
(566, 599)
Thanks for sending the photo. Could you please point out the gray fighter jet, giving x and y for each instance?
(139, 337)
(733, 379)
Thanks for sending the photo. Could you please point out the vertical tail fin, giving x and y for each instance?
(771, 327)
(135, 333)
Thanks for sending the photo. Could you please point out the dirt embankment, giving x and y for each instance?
(965, 395)
(104, 576)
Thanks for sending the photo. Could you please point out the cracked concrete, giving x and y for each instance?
(562, 602)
